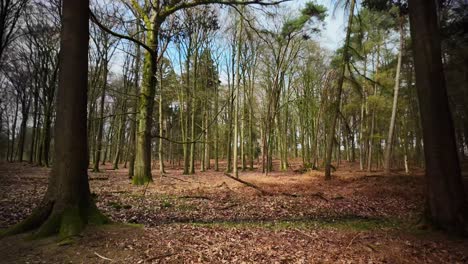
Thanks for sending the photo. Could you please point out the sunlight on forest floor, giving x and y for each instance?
(207, 217)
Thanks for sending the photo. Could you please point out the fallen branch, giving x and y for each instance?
(159, 257)
(181, 179)
(251, 185)
(95, 253)
(99, 178)
(319, 195)
(195, 197)
(371, 248)
(228, 206)
(290, 194)
(351, 242)
(118, 192)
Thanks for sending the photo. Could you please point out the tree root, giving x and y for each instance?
(50, 219)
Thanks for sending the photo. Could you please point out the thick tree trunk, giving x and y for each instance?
(67, 206)
(145, 114)
(446, 201)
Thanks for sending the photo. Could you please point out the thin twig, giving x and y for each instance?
(352, 240)
(95, 253)
(159, 257)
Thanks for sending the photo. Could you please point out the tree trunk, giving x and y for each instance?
(446, 203)
(97, 154)
(35, 125)
(389, 143)
(145, 113)
(161, 130)
(331, 136)
(13, 130)
(216, 127)
(67, 206)
(236, 104)
(133, 126)
(46, 137)
(23, 126)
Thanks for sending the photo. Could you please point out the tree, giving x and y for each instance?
(446, 201)
(341, 77)
(153, 17)
(10, 14)
(67, 206)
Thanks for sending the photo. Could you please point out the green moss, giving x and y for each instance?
(72, 222)
(95, 217)
(66, 241)
(348, 224)
(49, 227)
(360, 224)
(186, 207)
(134, 225)
(119, 206)
(141, 180)
(115, 205)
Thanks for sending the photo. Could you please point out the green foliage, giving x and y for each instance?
(377, 102)
(166, 203)
(311, 10)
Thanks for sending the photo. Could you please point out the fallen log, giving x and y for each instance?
(251, 185)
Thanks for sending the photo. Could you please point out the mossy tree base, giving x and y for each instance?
(54, 219)
(141, 179)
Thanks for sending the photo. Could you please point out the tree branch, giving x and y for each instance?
(221, 2)
(115, 34)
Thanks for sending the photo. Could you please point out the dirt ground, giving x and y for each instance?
(357, 217)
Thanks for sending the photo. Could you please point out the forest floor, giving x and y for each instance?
(357, 217)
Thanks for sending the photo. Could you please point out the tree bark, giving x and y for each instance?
(67, 206)
(445, 197)
(389, 143)
(145, 113)
(331, 135)
(98, 153)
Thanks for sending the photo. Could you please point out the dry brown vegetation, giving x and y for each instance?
(357, 217)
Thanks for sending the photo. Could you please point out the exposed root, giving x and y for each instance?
(50, 219)
(38, 216)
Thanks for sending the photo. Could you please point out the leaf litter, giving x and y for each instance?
(356, 217)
